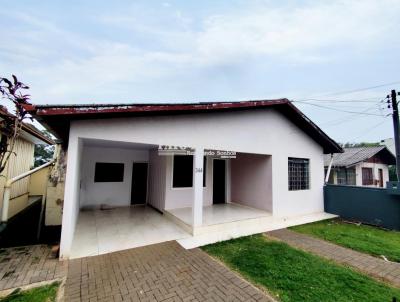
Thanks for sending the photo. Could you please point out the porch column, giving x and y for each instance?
(197, 208)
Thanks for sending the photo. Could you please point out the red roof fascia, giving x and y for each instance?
(96, 109)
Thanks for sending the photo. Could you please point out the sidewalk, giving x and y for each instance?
(369, 265)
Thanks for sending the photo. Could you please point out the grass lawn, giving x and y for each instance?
(46, 293)
(294, 275)
(363, 238)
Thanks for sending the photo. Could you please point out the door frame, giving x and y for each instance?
(147, 183)
(227, 180)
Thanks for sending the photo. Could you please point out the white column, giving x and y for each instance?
(71, 196)
(197, 208)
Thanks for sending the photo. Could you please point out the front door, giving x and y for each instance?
(139, 183)
(380, 178)
(219, 181)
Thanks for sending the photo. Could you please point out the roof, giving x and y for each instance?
(57, 118)
(352, 156)
(29, 130)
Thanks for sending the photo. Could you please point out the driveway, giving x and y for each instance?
(159, 272)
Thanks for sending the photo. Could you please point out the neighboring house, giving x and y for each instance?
(122, 156)
(361, 166)
(24, 191)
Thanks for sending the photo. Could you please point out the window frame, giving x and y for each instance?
(204, 173)
(364, 181)
(307, 186)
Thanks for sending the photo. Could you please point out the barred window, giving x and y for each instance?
(299, 175)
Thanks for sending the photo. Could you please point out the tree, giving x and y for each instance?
(43, 153)
(11, 124)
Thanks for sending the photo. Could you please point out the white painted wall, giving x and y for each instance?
(251, 181)
(183, 197)
(157, 179)
(262, 131)
(375, 167)
(109, 193)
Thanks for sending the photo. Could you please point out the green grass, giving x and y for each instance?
(294, 275)
(363, 238)
(46, 293)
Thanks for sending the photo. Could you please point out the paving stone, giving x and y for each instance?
(374, 267)
(21, 266)
(159, 272)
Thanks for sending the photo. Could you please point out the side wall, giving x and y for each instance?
(20, 161)
(251, 181)
(157, 179)
(109, 193)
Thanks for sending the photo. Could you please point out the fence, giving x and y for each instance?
(369, 205)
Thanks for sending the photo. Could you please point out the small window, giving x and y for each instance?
(367, 178)
(182, 171)
(298, 174)
(109, 172)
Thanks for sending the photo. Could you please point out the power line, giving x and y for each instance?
(366, 131)
(336, 109)
(358, 90)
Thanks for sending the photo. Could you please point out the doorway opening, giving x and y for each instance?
(139, 183)
(219, 181)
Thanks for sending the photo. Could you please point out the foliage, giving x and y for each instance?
(363, 238)
(294, 275)
(11, 125)
(43, 153)
(46, 293)
(392, 173)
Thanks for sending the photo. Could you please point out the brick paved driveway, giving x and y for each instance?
(160, 272)
(25, 265)
(372, 266)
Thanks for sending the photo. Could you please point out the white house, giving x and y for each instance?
(361, 166)
(121, 157)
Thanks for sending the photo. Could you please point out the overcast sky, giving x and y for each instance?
(164, 51)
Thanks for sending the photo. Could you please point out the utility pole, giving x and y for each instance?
(395, 116)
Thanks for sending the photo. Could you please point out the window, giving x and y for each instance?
(298, 174)
(182, 171)
(367, 178)
(346, 176)
(109, 172)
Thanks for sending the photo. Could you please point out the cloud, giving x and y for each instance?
(70, 64)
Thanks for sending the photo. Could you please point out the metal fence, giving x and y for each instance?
(368, 205)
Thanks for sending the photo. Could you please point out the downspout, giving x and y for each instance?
(7, 192)
(328, 172)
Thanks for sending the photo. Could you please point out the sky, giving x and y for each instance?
(320, 54)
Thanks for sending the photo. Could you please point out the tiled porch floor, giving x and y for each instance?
(220, 213)
(99, 232)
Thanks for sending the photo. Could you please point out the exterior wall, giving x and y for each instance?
(251, 181)
(20, 161)
(183, 197)
(38, 182)
(375, 167)
(157, 180)
(262, 131)
(55, 189)
(109, 193)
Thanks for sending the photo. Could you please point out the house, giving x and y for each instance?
(25, 191)
(360, 166)
(204, 171)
